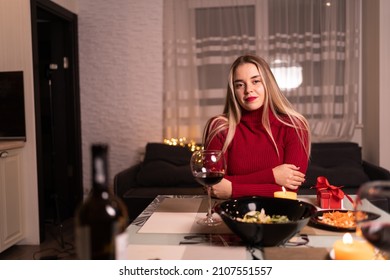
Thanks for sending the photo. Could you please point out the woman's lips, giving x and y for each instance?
(250, 99)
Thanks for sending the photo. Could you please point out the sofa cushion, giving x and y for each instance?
(339, 162)
(336, 154)
(166, 165)
(342, 176)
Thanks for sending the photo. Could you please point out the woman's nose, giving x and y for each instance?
(248, 88)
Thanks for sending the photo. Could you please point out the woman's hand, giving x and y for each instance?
(289, 176)
(222, 190)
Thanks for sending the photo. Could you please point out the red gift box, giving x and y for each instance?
(326, 200)
(329, 196)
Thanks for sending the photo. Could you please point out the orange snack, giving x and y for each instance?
(339, 219)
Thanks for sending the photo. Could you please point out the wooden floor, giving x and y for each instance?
(56, 245)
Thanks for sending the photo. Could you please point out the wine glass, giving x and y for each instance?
(208, 168)
(374, 197)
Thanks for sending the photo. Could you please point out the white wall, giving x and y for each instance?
(120, 49)
(375, 82)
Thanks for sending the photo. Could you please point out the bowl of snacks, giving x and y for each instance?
(265, 221)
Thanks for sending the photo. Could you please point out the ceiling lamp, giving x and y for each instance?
(288, 75)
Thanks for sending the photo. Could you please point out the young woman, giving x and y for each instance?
(265, 141)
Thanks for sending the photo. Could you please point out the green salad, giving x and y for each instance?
(261, 218)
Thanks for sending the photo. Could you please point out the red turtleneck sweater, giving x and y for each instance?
(251, 155)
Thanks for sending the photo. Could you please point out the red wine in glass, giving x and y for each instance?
(208, 168)
(209, 178)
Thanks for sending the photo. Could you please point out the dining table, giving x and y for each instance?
(168, 230)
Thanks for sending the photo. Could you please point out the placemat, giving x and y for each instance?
(299, 253)
(169, 222)
(176, 205)
(179, 215)
(179, 223)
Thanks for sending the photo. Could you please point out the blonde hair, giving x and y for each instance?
(274, 100)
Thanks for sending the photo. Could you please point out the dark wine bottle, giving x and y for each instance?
(103, 216)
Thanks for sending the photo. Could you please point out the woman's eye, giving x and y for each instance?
(239, 85)
(256, 82)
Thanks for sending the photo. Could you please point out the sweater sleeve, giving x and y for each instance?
(239, 190)
(262, 182)
(264, 176)
(294, 153)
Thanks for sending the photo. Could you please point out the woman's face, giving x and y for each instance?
(248, 87)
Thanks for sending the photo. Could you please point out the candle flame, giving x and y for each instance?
(347, 238)
(284, 189)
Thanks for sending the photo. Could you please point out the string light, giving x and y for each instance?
(182, 141)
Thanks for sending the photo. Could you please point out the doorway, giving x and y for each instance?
(57, 112)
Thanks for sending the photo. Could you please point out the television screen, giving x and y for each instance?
(12, 115)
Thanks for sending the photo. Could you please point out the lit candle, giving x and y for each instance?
(285, 194)
(349, 249)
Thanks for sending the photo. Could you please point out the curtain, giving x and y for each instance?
(323, 38)
(319, 39)
(201, 40)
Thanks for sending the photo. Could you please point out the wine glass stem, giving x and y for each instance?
(209, 201)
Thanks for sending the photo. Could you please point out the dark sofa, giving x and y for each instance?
(342, 164)
(165, 170)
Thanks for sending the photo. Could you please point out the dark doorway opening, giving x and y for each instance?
(57, 111)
